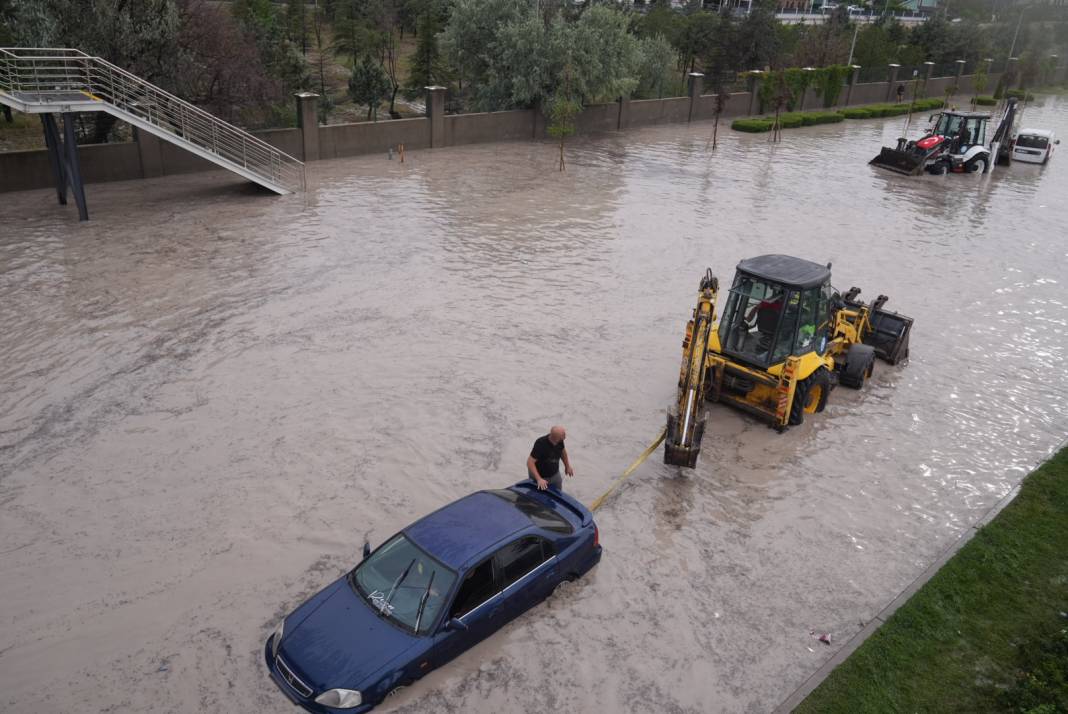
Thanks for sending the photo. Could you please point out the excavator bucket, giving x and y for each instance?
(889, 331)
(889, 335)
(676, 454)
(902, 162)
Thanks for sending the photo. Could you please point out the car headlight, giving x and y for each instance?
(276, 638)
(340, 698)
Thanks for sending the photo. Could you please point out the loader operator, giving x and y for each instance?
(543, 464)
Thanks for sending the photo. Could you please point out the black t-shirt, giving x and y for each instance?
(547, 456)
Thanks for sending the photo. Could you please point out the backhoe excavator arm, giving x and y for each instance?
(686, 424)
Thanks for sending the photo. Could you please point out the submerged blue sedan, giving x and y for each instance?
(428, 593)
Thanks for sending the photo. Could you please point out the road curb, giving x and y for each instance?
(817, 677)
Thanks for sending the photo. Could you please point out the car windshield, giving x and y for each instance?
(402, 583)
(536, 512)
(1029, 141)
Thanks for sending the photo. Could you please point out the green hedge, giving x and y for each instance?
(813, 118)
(986, 101)
(857, 113)
(753, 126)
(1020, 94)
(792, 120)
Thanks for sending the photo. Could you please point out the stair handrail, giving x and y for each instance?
(45, 71)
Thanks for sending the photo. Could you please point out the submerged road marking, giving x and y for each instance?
(630, 469)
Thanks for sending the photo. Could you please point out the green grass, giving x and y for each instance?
(986, 633)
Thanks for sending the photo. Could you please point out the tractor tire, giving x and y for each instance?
(810, 395)
(979, 164)
(859, 365)
(939, 169)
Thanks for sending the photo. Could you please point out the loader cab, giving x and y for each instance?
(963, 129)
(778, 306)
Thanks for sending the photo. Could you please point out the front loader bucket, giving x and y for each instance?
(676, 454)
(889, 335)
(902, 162)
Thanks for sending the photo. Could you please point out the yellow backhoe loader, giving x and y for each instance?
(784, 340)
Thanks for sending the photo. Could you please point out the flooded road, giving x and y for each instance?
(209, 397)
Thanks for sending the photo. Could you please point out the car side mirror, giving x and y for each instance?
(366, 549)
(455, 625)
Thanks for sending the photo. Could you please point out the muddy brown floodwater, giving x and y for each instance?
(210, 396)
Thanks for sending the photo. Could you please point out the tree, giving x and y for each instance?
(297, 24)
(427, 66)
(219, 65)
(695, 37)
(758, 36)
(563, 108)
(141, 37)
(369, 85)
(471, 43)
(657, 65)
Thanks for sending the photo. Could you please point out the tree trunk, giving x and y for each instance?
(393, 101)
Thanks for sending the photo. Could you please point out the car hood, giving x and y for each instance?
(336, 640)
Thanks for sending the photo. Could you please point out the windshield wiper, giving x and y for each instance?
(422, 601)
(396, 584)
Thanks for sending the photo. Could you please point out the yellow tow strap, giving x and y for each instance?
(630, 469)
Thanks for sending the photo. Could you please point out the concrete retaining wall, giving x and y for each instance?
(372, 137)
(646, 112)
(491, 126)
(148, 156)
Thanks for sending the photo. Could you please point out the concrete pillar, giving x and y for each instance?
(150, 153)
(435, 112)
(891, 81)
(960, 71)
(697, 83)
(624, 114)
(853, 79)
(308, 121)
(754, 84)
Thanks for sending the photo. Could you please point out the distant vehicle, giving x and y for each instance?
(1034, 146)
(429, 593)
(856, 10)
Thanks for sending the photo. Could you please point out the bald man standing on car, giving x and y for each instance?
(543, 464)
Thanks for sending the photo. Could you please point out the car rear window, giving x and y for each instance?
(1030, 141)
(541, 516)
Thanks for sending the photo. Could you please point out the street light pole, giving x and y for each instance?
(853, 45)
(1017, 33)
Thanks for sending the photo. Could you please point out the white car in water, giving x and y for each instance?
(1034, 146)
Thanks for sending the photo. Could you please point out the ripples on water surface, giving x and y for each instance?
(209, 396)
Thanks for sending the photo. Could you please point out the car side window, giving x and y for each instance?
(520, 557)
(476, 588)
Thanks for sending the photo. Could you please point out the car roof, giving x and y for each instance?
(1035, 132)
(456, 533)
(787, 270)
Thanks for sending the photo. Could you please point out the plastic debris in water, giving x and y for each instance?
(824, 638)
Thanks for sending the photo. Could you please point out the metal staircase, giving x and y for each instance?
(49, 81)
